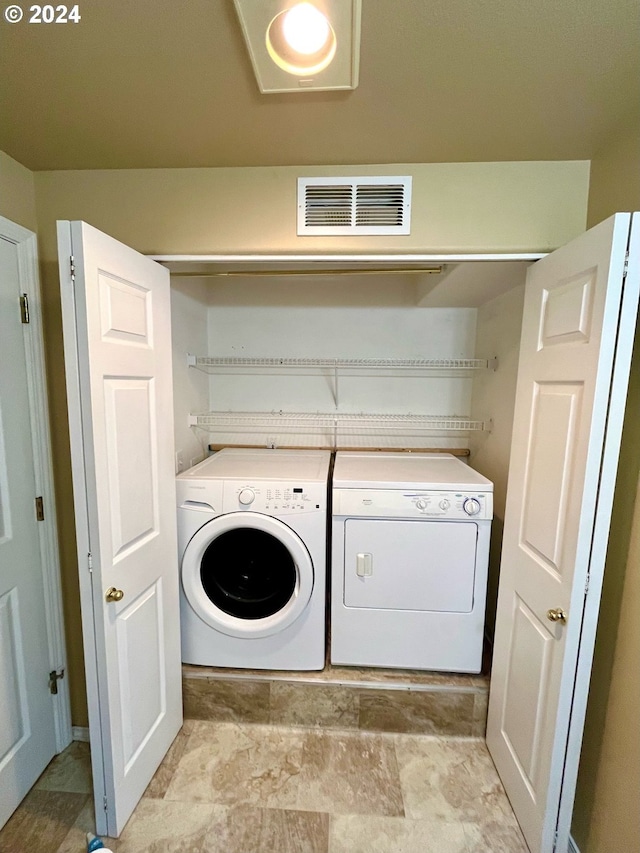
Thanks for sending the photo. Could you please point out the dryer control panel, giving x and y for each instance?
(401, 503)
(274, 498)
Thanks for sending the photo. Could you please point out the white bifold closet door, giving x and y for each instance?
(577, 336)
(117, 343)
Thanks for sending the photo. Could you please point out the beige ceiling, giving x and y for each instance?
(168, 83)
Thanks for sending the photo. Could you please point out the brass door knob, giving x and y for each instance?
(557, 615)
(113, 594)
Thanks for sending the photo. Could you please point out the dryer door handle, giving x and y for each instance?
(364, 565)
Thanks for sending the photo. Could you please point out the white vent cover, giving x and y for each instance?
(341, 206)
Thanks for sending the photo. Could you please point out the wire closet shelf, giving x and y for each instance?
(335, 428)
(214, 364)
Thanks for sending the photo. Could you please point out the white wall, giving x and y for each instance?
(189, 333)
(498, 334)
(341, 317)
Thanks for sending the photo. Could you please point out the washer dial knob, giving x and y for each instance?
(421, 504)
(471, 506)
(246, 496)
(445, 503)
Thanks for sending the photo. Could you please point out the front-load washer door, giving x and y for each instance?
(247, 574)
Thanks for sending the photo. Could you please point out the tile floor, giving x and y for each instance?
(247, 788)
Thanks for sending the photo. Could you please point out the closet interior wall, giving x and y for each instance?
(189, 333)
(498, 332)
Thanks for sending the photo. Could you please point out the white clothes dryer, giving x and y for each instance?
(410, 555)
(252, 530)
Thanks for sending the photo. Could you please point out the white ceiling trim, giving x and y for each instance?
(348, 258)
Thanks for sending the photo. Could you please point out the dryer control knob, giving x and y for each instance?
(420, 504)
(444, 504)
(471, 506)
(246, 496)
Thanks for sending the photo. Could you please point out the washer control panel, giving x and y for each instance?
(397, 503)
(274, 498)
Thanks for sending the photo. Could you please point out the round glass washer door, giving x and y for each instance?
(247, 574)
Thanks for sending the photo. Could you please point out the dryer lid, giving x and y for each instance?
(438, 471)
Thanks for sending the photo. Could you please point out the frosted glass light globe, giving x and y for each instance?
(305, 29)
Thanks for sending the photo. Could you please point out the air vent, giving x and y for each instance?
(341, 206)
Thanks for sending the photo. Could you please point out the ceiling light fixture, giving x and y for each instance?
(301, 40)
(305, 29)
(306, 45)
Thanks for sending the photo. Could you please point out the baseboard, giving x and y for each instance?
(573, 847)
(80, 733)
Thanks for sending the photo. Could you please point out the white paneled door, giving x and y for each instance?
(117, 339)
(27, 729)
(578, 327)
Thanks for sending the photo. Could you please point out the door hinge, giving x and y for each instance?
(24, 308)
(90, 561)
(54, 677)
(104, 803)
(72, 268)
(586, 584)
(625, 269)
(39, 509)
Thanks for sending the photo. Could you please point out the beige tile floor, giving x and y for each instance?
(228, 787)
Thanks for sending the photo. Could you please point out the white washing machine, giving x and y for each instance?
(252, 531)
(410, 552)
